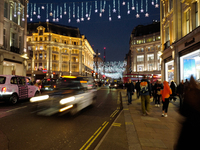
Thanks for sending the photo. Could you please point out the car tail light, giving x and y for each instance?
(54, 86)
(3, 89)
(40, 86)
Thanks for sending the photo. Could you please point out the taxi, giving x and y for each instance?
(71, 94)
(14, 88)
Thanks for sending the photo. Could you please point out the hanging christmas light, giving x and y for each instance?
(82, 19)
(104, 6)
(19, 9)
(42, 7)
(65, 9)
(100, 14)
(38, 13)
(31, 12)
(27, 10)
(60, 12)
(47, 13)
(96, 8)
(34, 9)
(152, 2)
(146, 15)
(73, 10)
(123, 3)
(133, 5)
(78, 20)
(69, 14)
(23, 14)
(86, 9)
(119, 16)
(156, 6)
(90, 12)
(54, 15)
(142, 6)
(51, 9)
(114, 10)
(15, 8)
(110, 19)
(137, 15)
(128, 8)
(57, 19)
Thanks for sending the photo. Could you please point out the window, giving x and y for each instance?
(45, 56)
(152, 48)
(29, 66)
(45, 65)
(40, 66)
(142, 49)
(170, 5)
(40, 56)
(64, 58)
(150, 57)
(6, 9)
(41, 39)
(150, 39)
(13, 80)
(157, 38)
(36, 39)
(140, 67)
(159, 66)
(55, 67)
(196, 15)
(13, 39)
(187, 22)
(148, 49)
(45, 38)
(158, 56)
(74, 59)
(4, 38)
(22, 81)
(41, 47)
(29, 39)
(167, 34)
(35, 56)
(150, 67)
(74, 68)
(140, 58)
(35, 66)
(20, 42)
(64, 67)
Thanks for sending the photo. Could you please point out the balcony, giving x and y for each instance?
(15, 49)
(166, 45)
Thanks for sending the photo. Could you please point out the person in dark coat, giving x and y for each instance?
(138, 89)
(188, 138)
(180, 91)
(157, 87)
(130, 91)
(173, 88)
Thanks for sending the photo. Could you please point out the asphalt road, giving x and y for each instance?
(22, 129)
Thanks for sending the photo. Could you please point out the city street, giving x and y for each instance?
(21, 128)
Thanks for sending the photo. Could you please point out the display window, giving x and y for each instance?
(169, 71)
(190, 66)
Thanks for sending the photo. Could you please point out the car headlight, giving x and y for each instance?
(115, 84)
(39, 98)
(67, 100)
(109, 84)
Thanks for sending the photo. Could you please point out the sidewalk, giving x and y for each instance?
(151, 132)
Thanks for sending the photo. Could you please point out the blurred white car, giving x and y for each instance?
(70, 95)
(14, 88)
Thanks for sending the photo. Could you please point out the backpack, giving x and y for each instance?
(144, 88)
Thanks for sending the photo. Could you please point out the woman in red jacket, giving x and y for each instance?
(166, 92)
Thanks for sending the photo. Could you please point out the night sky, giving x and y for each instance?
(100, 32)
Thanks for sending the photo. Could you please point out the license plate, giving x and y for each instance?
(46, 86)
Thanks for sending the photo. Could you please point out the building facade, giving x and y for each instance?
(57, 50)
(180, 39)
(144, 47)
(13, 23)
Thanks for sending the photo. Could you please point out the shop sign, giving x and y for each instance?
(190, 42)
(44, 70)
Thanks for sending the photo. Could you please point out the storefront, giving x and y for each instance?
(169, 69)
(190, 65)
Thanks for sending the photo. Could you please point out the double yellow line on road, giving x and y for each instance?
(94, 136)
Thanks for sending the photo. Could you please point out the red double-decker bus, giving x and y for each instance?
(136, 77)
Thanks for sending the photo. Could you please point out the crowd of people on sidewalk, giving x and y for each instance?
(189, 105)
(161, 92)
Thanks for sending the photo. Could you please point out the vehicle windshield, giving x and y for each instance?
(2, 80)
(49, 81)
(67, 84)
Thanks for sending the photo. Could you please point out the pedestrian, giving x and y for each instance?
(180, 90)
(157, 88)
(130, 91)
(173, 88)
(188, 138)
(145, 93)
(166, 92)
(138, 89)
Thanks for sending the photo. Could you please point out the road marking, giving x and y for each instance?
(16, 109)
(94, 136)
(117, 124)
(128, 123)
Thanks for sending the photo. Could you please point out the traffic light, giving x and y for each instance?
(96, 75)
(92, 72)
